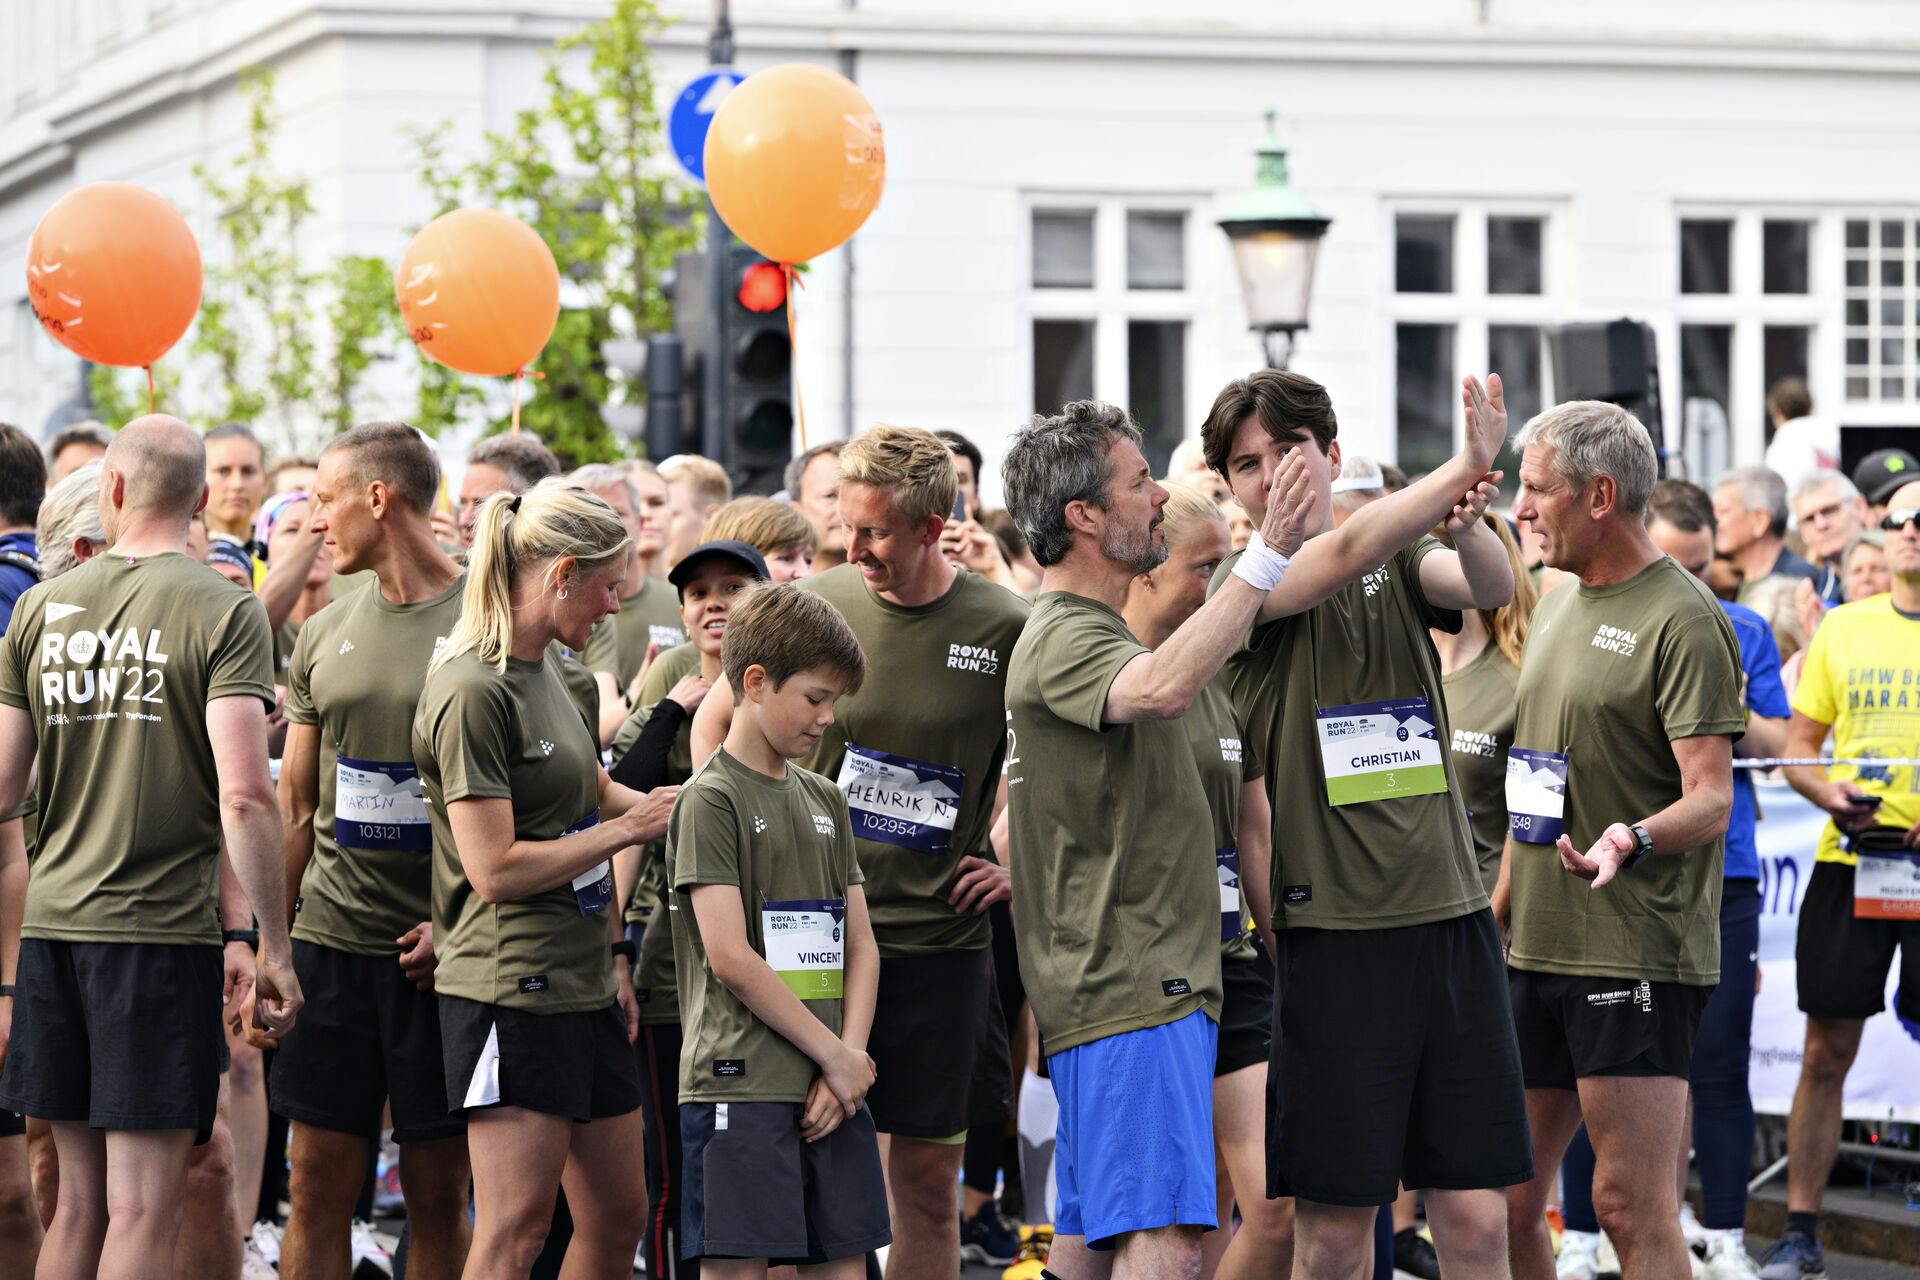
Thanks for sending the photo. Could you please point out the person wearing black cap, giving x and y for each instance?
(1879, 474)
(654, 745)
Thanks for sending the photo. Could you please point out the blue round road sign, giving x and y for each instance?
(692, 115)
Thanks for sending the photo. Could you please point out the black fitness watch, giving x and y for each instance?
(249, 936)
(1642, 846)
(624, 947)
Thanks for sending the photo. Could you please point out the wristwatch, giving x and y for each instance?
(1642, 846)
(624, 947)
(249, 936)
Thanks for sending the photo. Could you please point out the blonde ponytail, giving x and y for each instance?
(1185, 507)
(519, 534)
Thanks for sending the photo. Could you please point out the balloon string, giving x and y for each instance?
(793, 355)
(149, 369)
(517, 375)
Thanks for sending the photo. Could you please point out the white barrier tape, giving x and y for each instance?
(1784, 761)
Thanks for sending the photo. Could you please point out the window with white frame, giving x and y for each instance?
(1473, 291)
(1112, 305)
(1882, 308)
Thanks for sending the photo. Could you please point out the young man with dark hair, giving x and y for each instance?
(23, 482)
(1378, 909)
(73, 447)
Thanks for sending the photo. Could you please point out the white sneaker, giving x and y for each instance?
(264, 1240)
(1728, 1259)
(1698, 1237)
(1577, 1259)
(367, 1249)
(255, 1267)
(1605, 1261)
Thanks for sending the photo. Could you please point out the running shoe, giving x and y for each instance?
(1699, 1239)
(264, 1240)
(1605, 1260)
(1794, 1256)
(1579, 1256)
(369, 1259)
(987, 1239)
(1413, 1253)
(1728, 1259)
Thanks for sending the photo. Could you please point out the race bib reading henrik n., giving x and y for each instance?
(900, 801)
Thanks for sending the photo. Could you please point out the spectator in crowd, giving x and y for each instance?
(293, 474)
(1359, 482)
(236, 481)
(1828, 511)
(23, 482)
(1392, 478)
(1013, 546)
(515, 461)
(1879, 474)
(782, 535)
(73, 447)
(1750, 509)
(1863, 566)
(969, 466)
(813, 487)
(1802, 444)
(696, 488)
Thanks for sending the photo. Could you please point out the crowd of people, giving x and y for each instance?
(603, 869)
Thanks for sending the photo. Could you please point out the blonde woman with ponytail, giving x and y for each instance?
(1198, 536)
(536, 1007)
(1480, 671)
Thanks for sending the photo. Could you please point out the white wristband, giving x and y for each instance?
(1260, 565)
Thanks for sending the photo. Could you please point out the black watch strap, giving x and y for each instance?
(8, 989)
(624, 947)
(249, 936)
(1642, 846)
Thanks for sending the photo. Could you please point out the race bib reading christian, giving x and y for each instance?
(900, 801)
(1536, 795)
(592, 888)
(377, 805)
(1380, 751)
(806, 944)
(1227, 863)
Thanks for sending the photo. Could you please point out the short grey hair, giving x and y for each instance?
(1823, 479)
(1865, 538)
(1061, 459)
(1760, 489)
(519, 456)
(797, 466)
(69, 512)
(598, 477)
(1592, 438)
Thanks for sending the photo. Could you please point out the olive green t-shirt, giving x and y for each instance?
(1480, 706)
(653, 981)
(650, 616)
(1375, 864)
(116, 661)
(785, 845)
(1116, 902)
(1612, 677)
(917, 751)
(356, 675)
(579, 682)
(516, 734)
(284, 642)
(1227, 761)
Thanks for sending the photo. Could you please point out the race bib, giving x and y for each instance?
(592, 888)
(1886, 886)
(377, 805)
(806, 944)
(1227, 863)
(900, 801)
(1380, 751)
(1536, 795)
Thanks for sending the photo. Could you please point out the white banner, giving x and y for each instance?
(1885, 1081)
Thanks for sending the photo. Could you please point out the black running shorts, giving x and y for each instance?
(1571, 1027)
(577, 1065)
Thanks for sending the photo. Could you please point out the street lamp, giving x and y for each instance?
(1275, 232)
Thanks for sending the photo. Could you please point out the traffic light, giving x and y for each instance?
(759, 372)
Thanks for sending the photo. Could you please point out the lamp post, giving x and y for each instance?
(1275, 232)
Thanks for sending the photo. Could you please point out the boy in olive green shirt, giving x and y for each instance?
(777, 967)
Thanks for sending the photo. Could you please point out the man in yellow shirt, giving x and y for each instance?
(1862, 680)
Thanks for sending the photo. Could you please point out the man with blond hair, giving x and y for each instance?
(696, 488)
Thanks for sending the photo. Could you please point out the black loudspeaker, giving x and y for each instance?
(1612, 360)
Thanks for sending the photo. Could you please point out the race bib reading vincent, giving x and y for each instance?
(1536, 795)
(377, 805)
(900, 801)
(806, 944)
(1227, 863)
(592, 888)
(1380, 751)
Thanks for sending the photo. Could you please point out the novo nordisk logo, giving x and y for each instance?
(973, 657)
(1616, 640)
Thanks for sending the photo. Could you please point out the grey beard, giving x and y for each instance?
(1138, 556)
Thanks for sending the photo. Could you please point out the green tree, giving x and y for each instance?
(604, 205)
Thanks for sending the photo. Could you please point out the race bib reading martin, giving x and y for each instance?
(1380, 751)
(900, 801)
(377, 805)
(806, 944)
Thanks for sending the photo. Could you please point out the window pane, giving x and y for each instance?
(1423, 360)
(1783, 355)
(1513, 352)
(1706, 385)
(1157, 386)
(1857, 234)
(1856, 310)
(1706, 255)
(1513, 255)
(1856, 273)
(1893, 388)
(1423, 253)
(1893, 272)
(1062, 363)
(1156, 250)
(1062, 249)
(1784, 266)
(1889, 312)
(1856, 350)
(1892, 235)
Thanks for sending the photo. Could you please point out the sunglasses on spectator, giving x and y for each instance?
(1894, 521)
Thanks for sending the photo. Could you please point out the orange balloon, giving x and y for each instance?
(479, 291)
(113, 273)
(795, 161)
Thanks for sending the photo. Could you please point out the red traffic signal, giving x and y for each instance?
(763, 287)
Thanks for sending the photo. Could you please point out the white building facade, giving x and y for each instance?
(1743, 175)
